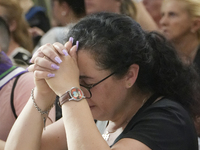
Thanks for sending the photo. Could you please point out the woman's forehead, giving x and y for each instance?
(85, 59)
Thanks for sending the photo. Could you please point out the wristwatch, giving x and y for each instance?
(74, 94)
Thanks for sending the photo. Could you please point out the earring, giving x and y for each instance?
(129, 84)
(63, 13)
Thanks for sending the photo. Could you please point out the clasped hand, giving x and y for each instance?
(55, 68)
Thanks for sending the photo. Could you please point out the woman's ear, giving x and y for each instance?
(65, 8)
(195, 25)
(132, 75)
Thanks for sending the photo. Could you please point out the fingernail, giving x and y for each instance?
(77, 43)
(54, 66)
(58, 60)
(71, 39)
(65, 52)
(30, 60)
(51, 75)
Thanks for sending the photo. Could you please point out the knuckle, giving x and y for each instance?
(36, 74)
(48, 44)
(35, 68)
(36, 60)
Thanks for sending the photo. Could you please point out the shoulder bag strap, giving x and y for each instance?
(12, 96)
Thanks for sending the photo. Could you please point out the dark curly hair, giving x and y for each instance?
(117, 41)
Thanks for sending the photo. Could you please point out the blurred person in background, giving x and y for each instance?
(37, 19)
(15, 85)
(66, 13)
(180, 24)
(133, 8)
(21, 44)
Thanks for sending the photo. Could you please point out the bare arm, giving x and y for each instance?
(27, 130)
(54, 137)
(144, 18)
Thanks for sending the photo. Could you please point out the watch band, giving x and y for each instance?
(74, 93)
(63, 99)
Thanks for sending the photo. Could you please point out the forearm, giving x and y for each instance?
(27, 130)
(81, 131)
(144, 18)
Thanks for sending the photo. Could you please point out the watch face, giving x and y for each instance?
(76, 94)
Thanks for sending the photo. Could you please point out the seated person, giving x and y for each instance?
(15, 85)
(110, 70)
(21, 44)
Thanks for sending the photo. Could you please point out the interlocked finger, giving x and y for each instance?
(46, 63)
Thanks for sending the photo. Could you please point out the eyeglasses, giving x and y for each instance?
(86, 89)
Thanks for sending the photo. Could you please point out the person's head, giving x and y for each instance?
(154, 8)
(11, 11)
(63, 8)
(139, 62)
(115, 6)
(4, 43)
(4, 36)
(180, 18)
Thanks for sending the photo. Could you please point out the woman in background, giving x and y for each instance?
(21, 44)
(66, 13)
(180, 24)
(15, 84)
(133, 8)
(37, 19)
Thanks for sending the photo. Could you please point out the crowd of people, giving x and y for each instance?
(117, 74)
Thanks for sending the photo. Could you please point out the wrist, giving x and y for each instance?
(67, 88)
(44, 113)
(44, 100)
(74, 94)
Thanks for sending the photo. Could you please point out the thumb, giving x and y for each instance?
(73, 51)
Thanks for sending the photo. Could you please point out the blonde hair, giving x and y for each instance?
(128, 8)
(193, 9)
(13, 12)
